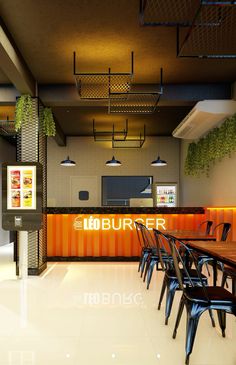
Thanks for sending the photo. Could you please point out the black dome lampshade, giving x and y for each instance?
(67, 162)
(159, 162)
(113, 162)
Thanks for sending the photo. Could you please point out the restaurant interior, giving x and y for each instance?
(118, 153)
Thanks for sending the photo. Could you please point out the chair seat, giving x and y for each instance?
(193, 274)
(216, 294)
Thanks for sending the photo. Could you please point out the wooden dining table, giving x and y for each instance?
(190, 235)
(223, 251)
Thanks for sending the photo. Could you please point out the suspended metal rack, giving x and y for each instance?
(135, 102)
(212, 33)
(108, 135)
(167, 12)
(7, 128)
(130, 142)
(119, 138)
(95, 86)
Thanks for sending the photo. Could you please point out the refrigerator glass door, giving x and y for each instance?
(165, 195)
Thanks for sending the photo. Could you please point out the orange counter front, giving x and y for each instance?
(106, 235)
(113, 235)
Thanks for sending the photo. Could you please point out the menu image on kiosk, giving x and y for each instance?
(15, 198)
(21, 187)
(15, 179)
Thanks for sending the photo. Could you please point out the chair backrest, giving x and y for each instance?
(146, 235)
(139, 234)
(163, 249)
(225, 230)
(180, 266)
(208, 226)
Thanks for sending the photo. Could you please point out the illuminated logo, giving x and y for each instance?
(116, 224)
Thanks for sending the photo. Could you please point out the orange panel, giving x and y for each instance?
(110, 235)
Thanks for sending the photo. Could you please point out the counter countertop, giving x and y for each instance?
(125, 210)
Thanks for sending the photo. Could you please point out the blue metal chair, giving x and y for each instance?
(203, 259)
(146, 246)
(197, 299)
(170, 282)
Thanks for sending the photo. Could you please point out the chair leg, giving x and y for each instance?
(171, 288)
(234, 286)
(224, 278)
(208, 271)
(192, 323)
(140, 261)
(150, 271)
(222, 320)
(212, 318)
(145, 257)
(179, 315)
(148, 261)
(162, 293)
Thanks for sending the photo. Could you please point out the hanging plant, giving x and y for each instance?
(217, 144)
(49, 128)
(23, 111)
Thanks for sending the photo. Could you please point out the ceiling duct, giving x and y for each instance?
(204, 116)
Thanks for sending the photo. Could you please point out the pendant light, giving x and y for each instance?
(158, 162)
(113, 162)
(67, 162)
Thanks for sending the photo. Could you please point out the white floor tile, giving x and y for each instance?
(97, 313)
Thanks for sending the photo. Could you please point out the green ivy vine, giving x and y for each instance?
(49, 127)
(217, 144)
(23, 111)
(24, 114)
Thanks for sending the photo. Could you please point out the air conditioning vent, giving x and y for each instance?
(203, 117)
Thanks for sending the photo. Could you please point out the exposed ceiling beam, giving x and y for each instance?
(13, 64)
(16, 69)
(8, 95)
(174, 94)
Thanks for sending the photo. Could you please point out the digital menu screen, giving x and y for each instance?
(21, 187)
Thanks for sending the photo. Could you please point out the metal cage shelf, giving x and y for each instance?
(132, 142)
(7, 128)
(135, 102)
(167, 12)
(119, 138)
(212, 33)
(95, 86)
(108, 135)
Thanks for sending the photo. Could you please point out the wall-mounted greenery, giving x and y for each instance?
(49, 127)
(218, 143)
(24, 113)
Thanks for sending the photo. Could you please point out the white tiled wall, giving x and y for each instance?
(90, 160)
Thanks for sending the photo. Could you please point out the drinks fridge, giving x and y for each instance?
(165, 194)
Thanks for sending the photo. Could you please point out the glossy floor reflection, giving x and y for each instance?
(97, 313)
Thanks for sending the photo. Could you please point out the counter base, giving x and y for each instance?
(93, 258)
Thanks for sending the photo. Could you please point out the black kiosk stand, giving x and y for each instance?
(22, 204)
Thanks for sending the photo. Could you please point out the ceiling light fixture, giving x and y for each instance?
(158, 162)
(67, 162)
(113, 162)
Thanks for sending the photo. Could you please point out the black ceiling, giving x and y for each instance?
(103, 33)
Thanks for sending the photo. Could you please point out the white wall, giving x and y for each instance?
(90, 160)
(216, 190)
(7, 154)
